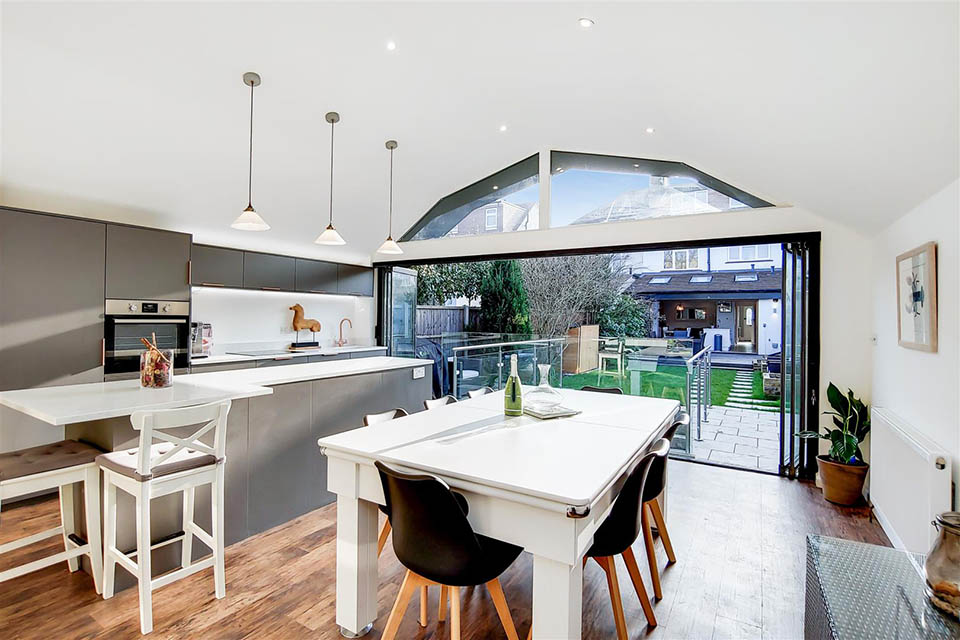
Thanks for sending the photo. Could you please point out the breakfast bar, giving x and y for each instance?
(273, 471)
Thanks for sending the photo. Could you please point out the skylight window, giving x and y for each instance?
(595, 189)
(660, 280)
(508, 200)
(701, 279)
(585, 188)
(745, 277)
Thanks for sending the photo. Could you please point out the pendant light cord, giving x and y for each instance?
(250, 165)
(332, 124)
(390, 209)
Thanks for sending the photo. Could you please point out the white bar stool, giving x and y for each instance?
(154, 470)
(56, 466)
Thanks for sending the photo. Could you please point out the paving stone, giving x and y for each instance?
(703, 449)
(747, 462)
(723, 437)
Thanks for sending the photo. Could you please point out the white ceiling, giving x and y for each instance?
(137, 112)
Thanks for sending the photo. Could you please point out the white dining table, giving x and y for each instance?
(544, 485)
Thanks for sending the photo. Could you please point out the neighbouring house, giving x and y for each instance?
(728, 296)
(496, 217)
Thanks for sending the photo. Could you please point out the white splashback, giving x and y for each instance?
(260, 318)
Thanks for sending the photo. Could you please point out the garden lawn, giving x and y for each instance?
(665, 382)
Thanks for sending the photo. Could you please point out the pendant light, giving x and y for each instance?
(389, 246)
(330, 235)
(250, 220)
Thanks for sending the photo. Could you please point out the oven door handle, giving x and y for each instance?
(149, 321)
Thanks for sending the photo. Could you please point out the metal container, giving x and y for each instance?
(942, 566)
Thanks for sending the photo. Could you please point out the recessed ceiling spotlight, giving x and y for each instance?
(495, 187)
(391, 45)
(503, 128)
(649, 129)
(586, 23)
(559, 169)
(636, 166)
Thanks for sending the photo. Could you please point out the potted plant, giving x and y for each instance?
(842, 469)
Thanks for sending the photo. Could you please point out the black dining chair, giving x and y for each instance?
(482, 391)
(656, 481)
(438, 402)
(614, 390)
(434, 541)
(378, 418)
(617, 533)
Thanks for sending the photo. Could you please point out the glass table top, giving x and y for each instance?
(870, 591)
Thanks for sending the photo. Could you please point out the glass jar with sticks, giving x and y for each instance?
(156, 365)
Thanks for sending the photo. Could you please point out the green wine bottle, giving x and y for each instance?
(513, 398)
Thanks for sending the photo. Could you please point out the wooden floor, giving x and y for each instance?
(739, 537)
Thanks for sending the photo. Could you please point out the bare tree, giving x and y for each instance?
(561, 290)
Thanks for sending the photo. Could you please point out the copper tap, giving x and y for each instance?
(341, 341)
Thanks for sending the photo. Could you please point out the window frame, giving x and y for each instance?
(486, 218)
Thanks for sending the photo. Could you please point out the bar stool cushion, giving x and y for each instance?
(46, 457)
(125, 462)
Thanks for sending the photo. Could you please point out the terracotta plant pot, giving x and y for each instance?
(842, 483)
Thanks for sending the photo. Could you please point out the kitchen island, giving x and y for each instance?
(274, 471)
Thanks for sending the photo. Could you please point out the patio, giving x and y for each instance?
(739, 437)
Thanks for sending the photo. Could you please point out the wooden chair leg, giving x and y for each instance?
(442, 607)
(500, 602)
(68, 520)
(384, 534)
(145, 574)
(219, 561)
(611, 570)
(186, 546)
(423, 606)
(454, 613)
(91, 509)
(410, 583)
(109, 535)
(631, 561)
(651, 551)
(662, 528)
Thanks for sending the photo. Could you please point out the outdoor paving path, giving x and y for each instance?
(739, 437)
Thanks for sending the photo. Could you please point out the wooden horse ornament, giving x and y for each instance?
(300, 323)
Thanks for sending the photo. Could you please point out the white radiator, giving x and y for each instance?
(910, 481)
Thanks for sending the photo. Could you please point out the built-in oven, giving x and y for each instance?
(126, 322)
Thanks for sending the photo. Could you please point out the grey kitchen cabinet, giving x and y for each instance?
(339, 404)
(267, 271)
(354, 280)
(147, 264)
(281, 473)
(199, 367)
(316, 276)
(280, 361)
(400, 389)
(330, 357)
(51, 312)
(216, 266)
(368, 354)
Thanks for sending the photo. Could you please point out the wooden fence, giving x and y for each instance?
(438, 320)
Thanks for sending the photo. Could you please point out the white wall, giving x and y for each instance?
(263, 318)
(922, 388)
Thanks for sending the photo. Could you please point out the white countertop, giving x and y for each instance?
(308, 371)
(225, 358)
(101, 400)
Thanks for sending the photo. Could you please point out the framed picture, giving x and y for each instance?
(917, 298)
